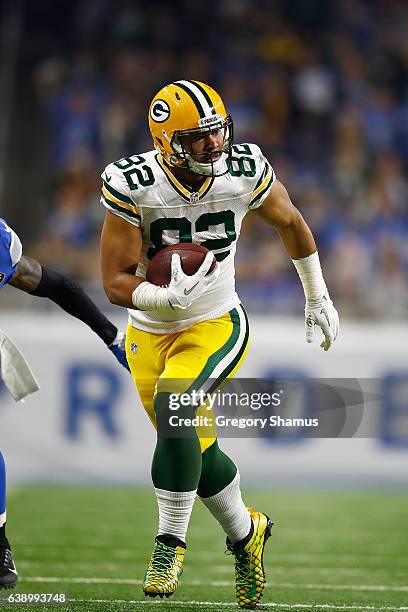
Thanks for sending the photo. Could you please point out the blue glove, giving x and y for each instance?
(118, 349)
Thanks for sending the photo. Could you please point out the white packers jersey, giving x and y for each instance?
(142, 190)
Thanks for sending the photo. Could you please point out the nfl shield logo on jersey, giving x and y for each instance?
(194, 197)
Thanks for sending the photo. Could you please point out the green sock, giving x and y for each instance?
(176, 462)
(217, 471)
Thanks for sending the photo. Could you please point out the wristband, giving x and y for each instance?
(147, 296)
(311, 275)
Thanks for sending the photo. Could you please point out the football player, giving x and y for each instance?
(196, 186)
(30, 276)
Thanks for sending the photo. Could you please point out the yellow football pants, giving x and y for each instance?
(201, 357)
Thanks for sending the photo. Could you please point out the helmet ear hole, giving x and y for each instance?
(159, 140)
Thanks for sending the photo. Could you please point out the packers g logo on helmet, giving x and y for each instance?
(181, 112)
(159, 111)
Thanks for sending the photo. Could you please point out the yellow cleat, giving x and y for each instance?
(164, 570)
(249, 569)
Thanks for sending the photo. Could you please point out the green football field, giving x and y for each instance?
(329, 551)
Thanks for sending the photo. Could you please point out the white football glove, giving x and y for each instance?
(322, 313)
(183, 288)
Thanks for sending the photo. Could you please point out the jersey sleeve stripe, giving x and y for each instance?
(126, 218)
(117, 194)
(268, 180)
(262, 191)
(111, 198)
(262, 177)
(120, 209)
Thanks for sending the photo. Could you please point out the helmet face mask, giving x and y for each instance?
(182, 116)
(208, 162)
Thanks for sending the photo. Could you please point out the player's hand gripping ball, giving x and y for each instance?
(191, 256)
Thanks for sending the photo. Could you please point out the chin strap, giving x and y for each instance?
(218, 168)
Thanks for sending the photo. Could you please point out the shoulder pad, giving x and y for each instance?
(131, 175)
(125, 183)
(117, 195)
(112, 176)
(263, 178)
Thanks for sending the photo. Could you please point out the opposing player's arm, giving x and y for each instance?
(278, 211)
(27, 276)
(30, 276)
(121, 246)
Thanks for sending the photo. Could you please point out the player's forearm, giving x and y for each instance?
(301, 246)
(297, 237)
(120, 287)
(71, 297)
(279, 212)
(27, 276)
(319, 309)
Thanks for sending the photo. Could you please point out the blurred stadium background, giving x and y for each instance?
(322, 87)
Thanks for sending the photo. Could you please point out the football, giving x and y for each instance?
(191, 255)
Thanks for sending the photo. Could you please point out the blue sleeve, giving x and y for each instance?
(10, 252)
